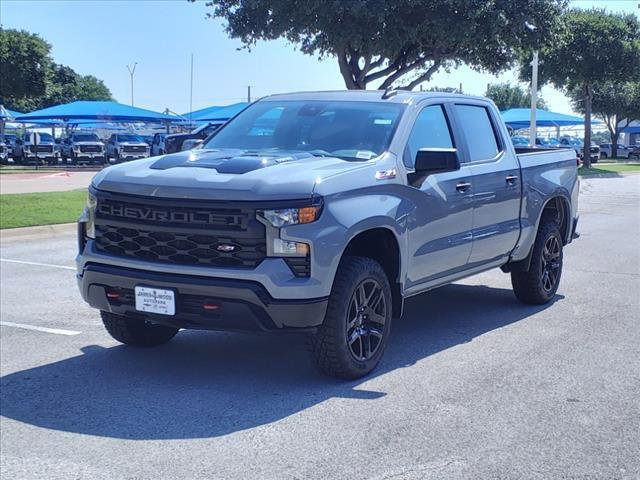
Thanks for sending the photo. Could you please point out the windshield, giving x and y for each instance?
(348, 130)
(88, 137)
(44, 137)
(129, 138)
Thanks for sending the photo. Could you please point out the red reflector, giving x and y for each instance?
(113, 295)
(210, 306)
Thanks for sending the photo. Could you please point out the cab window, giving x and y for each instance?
(430, 130)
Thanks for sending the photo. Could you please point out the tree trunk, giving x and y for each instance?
(614, 142)
(586, 150)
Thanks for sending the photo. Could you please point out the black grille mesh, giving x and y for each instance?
(179, 248)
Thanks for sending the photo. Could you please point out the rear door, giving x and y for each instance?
(440, 228)
(497, 186)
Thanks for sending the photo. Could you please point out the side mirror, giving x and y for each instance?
(436, 160)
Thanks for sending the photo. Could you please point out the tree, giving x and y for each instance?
(593, 47)
(399, 43)
(615, 103)
(29, 79)
(67, 86)
(24, 67)
(507, 96)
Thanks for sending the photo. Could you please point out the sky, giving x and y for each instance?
(102, 37)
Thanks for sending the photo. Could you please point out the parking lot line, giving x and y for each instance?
(38, 264)
(56, 331)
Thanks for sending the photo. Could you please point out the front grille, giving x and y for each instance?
(90, 148)
(134, 148)
(43, 148)
(180, 248)
(162, 214)
(184, 234)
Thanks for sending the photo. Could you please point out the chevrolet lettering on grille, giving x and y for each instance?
(165, 216)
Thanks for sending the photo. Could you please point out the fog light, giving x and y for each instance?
(285, 247)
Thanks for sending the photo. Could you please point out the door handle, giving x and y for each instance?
(511, 179)
(463, 186)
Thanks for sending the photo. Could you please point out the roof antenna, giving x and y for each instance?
(389, 92)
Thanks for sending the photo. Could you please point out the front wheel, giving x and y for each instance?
(539, 284)
(136, 331)
(351, 341)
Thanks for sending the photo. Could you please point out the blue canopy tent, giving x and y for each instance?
(632, 129)
(518, 118)
(97, 111)
(212, 114)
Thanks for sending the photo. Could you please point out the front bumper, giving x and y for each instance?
(243, 305)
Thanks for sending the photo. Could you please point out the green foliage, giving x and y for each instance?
(592, 46)
(29, 79)
(507, 96)
(398, 43)
(616, 103)
(24, 66)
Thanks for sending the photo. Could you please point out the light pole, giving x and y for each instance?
(132, 71)
(534, 91)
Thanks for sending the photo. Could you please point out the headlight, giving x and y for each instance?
(92, 203)
(291, 216)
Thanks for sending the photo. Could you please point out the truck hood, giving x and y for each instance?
(224, 175)
(100, 144)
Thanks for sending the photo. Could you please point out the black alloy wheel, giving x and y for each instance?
(366, 318)
(551, 263)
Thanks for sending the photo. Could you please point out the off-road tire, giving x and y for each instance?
(329, 346)
(528, 285)
(136, 331)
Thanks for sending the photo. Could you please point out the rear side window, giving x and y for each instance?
(478, 130)
(430, 130)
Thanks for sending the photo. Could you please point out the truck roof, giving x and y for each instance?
(392, 96)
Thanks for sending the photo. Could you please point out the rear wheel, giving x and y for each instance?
(136, 331)
(539, 284)
(351, 341)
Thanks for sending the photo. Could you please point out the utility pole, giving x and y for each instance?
(534, 90)
(191, 91)
(132, 71)
(248, 93)
(533, 133)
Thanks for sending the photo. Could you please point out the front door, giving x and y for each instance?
(440, 226)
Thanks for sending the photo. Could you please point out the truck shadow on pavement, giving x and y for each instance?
(204, 385)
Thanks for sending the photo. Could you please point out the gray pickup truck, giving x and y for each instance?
(321, 213)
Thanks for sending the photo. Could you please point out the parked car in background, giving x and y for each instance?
(548, 142)
(578, 146)
(634, 152)
(173, 142)
(324, 222)
(10, 142)
(622, 151)
(36, 148)
(519, 140)
(4, 153)
(157, 144)
(147, 139)
(83, 148)
(126, 146)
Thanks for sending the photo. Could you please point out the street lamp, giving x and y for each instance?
(132, 71)
(534, 90)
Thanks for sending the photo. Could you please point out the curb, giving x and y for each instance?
(40, 231)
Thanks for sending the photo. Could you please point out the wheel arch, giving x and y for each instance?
(382, 245)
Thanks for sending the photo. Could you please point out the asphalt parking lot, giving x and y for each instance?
(473, 384)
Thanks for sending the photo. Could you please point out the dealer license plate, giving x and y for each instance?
(155, 300)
